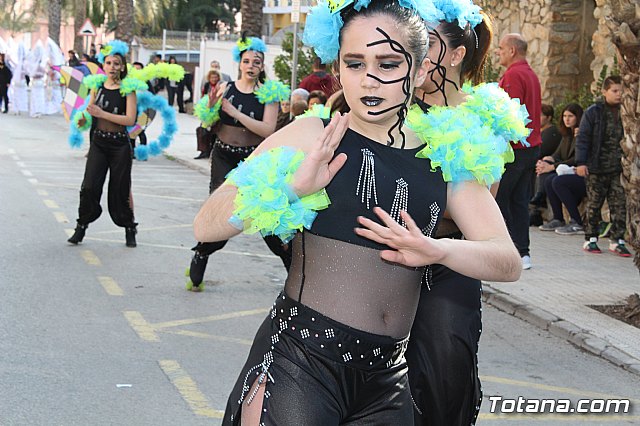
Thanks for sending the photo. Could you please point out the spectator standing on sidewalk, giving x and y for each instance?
(176, 88)
(205, 135)
(320, 79)
(157, 83)
(215, 65)
(598, 155)
(5, 81)
(74, 61)
(514, 193)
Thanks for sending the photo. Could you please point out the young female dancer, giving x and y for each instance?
(331, 351)
(112, 107)
(245, 112)
(442, 350)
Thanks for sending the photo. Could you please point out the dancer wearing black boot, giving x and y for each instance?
(112, 107)
(245, 113)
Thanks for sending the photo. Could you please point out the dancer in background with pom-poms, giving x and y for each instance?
(111, 108)
(243, 113)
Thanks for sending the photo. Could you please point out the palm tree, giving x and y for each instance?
(79, 16)
(55, 16)
(251, 11)
(15, 18)
(625, 27)
(124, 30)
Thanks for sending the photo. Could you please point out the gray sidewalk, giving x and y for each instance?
(554, 295)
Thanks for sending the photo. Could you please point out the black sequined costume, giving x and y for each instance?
(332, 349)
(225, 157)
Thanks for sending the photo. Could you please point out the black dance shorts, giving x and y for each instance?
(321, 372)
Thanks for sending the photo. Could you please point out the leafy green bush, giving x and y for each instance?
(491, 72)
(283, 63)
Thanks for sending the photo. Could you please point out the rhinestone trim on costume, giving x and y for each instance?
(245, 150)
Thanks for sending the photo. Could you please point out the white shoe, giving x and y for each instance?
(526, 262)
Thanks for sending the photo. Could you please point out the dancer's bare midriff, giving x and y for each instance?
(238, 136)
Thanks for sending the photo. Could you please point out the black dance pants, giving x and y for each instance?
(319, 372)
(225, 158)
(108, 152)
(442, 351)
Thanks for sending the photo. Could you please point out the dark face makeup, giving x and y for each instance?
(251, 64)
(438, 72)
(406, 84)
(384, 70)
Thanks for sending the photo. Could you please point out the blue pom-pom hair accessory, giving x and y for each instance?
(112, 48)
(324, 22)
(248, 43)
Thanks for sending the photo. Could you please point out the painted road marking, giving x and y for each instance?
(148, 331)
(33, 181)
(20, 164)
(61, 218)
(51, 204)
(200, 335)
(211, 318)
(26, 172)
(110, 286)
(43, 192)
(141, 326)
(188, 389)
(90, 258)
(167, 246)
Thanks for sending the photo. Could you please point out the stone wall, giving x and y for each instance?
(603, 49)
(559, 36)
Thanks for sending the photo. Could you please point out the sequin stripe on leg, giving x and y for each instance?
(263, 377)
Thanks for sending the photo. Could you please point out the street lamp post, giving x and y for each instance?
(295, 18)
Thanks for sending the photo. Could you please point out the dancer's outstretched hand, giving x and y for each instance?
(410, 246)
(319, 166)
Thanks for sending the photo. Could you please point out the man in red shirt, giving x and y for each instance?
(520, 82)
(320, 79)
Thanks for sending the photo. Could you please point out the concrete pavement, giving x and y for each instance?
(554, 295)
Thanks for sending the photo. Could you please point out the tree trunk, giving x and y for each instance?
(251, 11)
(79, 16)
(124, 30)
(55, 16)
(625, 27)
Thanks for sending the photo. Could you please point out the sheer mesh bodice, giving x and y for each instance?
(110, 100)
(352, 284)
(340, 274)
